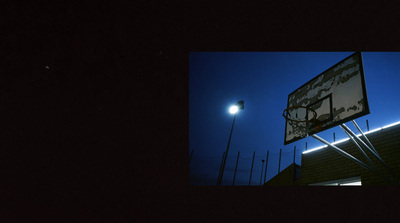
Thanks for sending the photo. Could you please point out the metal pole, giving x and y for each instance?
(237, 161)
(365, 137)
(342, 152)
(266, 164)
(227, 148)
(220, 168)
(279, 167)
(365, 145)
(280, 154)
(262, 168)
(294, 155)
(190, 156)
(294, 164)
(334, 138)
(372, 149)
(359, 147)
(367, 125)
(306, 146)
(251, 171)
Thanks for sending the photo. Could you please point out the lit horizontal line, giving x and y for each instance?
(312, 150)
(374, 130)
(340, 141)
(393, 124)
(343, 140)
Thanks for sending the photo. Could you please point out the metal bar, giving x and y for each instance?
(365, 137)
(237, 161)
(380, 159)
(251, 171)
(190, 156)
(294, 155)
(220, 168)
(262, 168)
(294, 164)
(343, 153)
(227, 148)
(359, 146)
(306, 146)
(266, 164)
(279, 167)
(372, 151)
(334, 138)
(364, 144)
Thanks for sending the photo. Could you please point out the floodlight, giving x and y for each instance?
(233, 109)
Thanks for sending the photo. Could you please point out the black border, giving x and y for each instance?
(365, 112)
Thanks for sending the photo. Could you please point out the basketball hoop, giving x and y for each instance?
(312, 124)
(289, 117)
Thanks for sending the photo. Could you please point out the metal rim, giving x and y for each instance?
(294, 107)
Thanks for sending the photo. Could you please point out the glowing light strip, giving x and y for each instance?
(393, 124)
(343, 140)
(312, 150)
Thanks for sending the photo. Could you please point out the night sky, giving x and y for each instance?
(264, 80)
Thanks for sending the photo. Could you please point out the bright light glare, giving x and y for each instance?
(358, 183)
(233, 109)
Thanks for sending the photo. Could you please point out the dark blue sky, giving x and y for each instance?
(264, 80)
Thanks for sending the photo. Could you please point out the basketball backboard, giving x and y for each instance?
(337, 95)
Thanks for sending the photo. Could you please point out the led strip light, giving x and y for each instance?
(343, 140)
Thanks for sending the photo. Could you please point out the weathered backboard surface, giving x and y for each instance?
(338, 95)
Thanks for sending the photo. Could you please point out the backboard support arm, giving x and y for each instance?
(343, 153)
(376, 170)
(359, 147)
(365, 137)
(365, 145)
(372, 150)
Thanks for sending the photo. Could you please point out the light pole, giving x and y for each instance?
(233, 110)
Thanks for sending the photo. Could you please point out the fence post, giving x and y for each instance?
(266, 164)
(251, 171)
(279, 167)
(294, 155)
(262, 168)
(191, 154)
(220, 168)
(236, 168)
